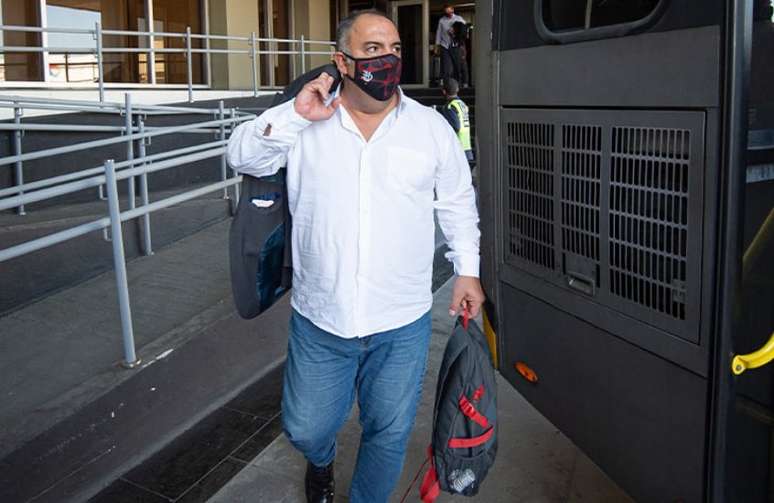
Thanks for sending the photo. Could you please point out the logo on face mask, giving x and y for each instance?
(378, 77)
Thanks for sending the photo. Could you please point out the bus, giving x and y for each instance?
(626, 157)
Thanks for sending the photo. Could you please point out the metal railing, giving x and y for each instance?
(138, 164)
(133, 123)
(301, 47)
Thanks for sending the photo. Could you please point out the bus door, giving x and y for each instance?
(599, 128)
(744, 448)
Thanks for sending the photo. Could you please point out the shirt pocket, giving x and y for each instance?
(410, 170)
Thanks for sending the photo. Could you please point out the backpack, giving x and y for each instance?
(464, 441)
(259, 237)
(460, 29)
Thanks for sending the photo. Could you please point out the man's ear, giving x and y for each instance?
(341, 63)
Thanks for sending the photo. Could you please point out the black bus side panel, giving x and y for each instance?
(644, 422)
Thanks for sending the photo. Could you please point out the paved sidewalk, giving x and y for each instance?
(63, 351)
(535, 463)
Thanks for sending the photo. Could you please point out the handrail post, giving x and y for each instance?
(273, 47)
(151, 45)
(100, 65)
(303, 58)
(189, 62)
(119, 264)
(17, 150)
(253, 62)
(231, 130)
(128, 124)
(147, 244)
(222, 137)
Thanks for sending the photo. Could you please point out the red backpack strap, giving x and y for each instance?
(474, 415)
(471, 412)
(430, 488)
(467, 443)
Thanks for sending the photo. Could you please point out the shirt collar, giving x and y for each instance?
(401, 101)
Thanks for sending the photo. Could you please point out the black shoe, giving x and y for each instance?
(319, 484)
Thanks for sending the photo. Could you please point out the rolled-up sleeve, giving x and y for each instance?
(260, 147)
(455, 207)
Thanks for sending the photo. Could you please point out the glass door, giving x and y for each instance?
(750, 442)
(274, 22)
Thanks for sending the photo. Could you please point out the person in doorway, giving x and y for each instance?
(366, 168)
(447, 44)
(455, 111)
(459, 49)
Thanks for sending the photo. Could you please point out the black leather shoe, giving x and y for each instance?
(319, 484)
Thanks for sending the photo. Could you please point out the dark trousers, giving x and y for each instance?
(450, 63)
(464, 76)
(454, 65)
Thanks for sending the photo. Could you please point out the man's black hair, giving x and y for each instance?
(450, 86)
(345, 27)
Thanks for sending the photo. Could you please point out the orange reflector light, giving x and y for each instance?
(526, 372)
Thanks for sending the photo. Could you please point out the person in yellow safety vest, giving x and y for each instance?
(456, 113)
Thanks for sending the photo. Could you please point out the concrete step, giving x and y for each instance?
(79, 456)
(62, 352)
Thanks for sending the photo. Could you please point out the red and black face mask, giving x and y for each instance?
(378, 77)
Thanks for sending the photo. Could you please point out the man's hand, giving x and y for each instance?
(437, 50)
(310, 101)
(468, 295)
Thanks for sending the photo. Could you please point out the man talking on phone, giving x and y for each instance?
(367, 167)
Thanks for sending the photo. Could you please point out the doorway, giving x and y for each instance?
(274, 22)
(412, 19)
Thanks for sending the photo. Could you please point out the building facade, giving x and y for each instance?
(142, 44)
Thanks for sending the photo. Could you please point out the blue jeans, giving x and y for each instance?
(322, 374)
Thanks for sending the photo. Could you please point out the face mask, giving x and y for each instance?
(378, 77)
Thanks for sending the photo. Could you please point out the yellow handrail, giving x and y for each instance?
(755, 359)
(760, 242)
(754, 251)
(491, 339)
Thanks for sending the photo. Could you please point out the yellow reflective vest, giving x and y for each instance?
(461, 109)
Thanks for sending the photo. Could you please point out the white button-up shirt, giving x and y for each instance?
(363, 231)
(442, 36)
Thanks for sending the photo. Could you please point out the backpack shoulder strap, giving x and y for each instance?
(292, 89)
(454, 348)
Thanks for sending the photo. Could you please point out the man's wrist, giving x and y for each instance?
(467, 265)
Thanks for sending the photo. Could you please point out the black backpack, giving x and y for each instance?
(464, 442)
(259, 237)
(460, 30)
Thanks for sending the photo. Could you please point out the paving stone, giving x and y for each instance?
(194, 454)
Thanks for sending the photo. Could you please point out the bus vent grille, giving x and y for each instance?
(649, 217)
(580, 175)
(530, 173)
